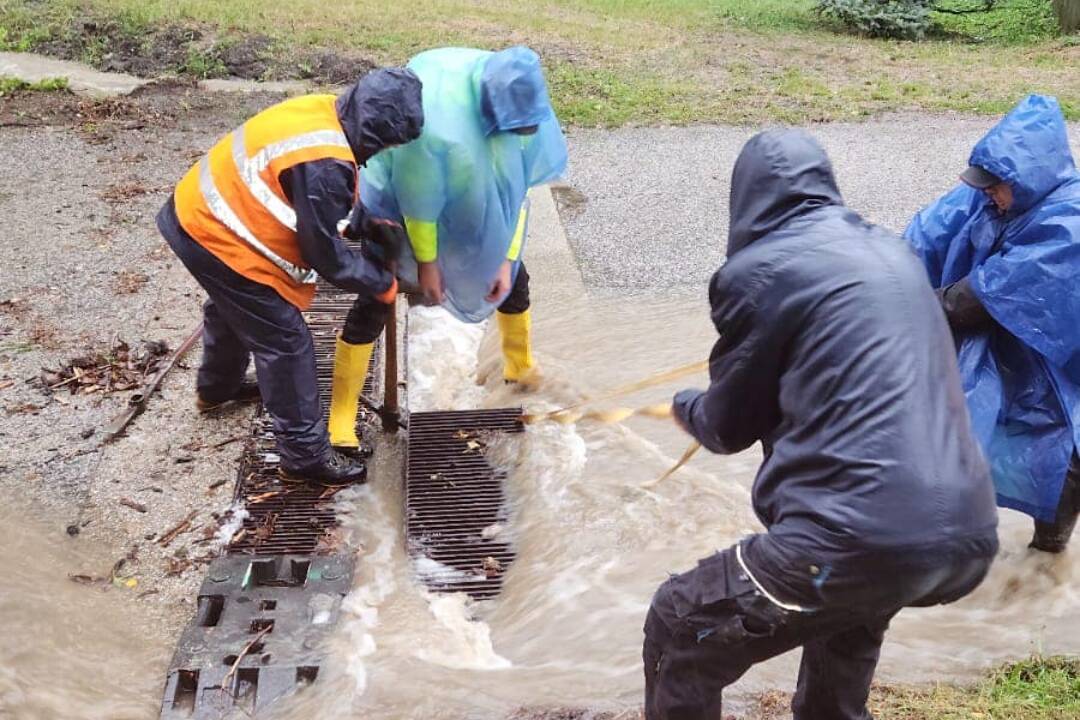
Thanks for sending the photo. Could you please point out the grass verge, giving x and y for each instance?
(10, 85)
(610, 62)
(1033, 689)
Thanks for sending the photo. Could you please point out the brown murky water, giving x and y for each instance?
(592, 545)
(68, 650)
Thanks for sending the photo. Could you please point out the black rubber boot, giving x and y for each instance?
(335, 470)
(356, 453)
(248, 392)
(1054, 537)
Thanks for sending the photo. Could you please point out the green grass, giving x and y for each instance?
(1035, 689)
(9, 85)
(626, 62)
(1010, 22)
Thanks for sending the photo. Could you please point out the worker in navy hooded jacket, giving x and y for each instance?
(834, 355)
(256, 222)
(1004, 250)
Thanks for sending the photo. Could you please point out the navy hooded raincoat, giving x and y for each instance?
(835, 354)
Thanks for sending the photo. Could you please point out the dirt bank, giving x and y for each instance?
(186, 49)
(85, 274)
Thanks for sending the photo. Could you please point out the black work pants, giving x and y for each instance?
(708, 626)
(242, 318)
(367, 317)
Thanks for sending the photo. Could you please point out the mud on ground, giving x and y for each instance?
(83, 269)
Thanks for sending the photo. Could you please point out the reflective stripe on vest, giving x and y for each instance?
(249, 170)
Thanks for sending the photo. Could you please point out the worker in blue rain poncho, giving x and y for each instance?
(460, 190)
(1003, 249)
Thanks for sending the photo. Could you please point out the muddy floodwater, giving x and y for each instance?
(592, 546)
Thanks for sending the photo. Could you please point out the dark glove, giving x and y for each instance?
(386, 236)
(963, 309)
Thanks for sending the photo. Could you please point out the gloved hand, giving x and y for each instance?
(390, 295)
(387, 237)
(963, 309)
(681, 407)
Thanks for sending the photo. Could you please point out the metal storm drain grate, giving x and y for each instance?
(454, 500)
(257, 634)
(266, 607)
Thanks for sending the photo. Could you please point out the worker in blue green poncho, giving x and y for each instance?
(460, 191)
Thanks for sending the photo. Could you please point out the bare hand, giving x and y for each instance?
(501, 286)
(431, 283)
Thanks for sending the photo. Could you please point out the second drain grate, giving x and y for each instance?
(453, 495)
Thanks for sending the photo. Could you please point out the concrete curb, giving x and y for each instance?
(85, 80)
(552, 266)
(82, 79)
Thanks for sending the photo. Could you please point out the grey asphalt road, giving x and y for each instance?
(652, 210)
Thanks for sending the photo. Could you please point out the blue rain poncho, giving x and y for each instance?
(1022, 380)
(467, 176)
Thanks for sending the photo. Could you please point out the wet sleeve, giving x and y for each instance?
(740, 406)
(1030, 286)
(963, 309)
(424, 238)
(321, 193)
(519, 235)
(420, 185)
(932, 231)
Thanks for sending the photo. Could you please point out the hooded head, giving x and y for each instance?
(1028, 150)
(513, 95)
(780, 174)
(382, 109)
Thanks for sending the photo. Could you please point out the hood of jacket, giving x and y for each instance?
(382, 109)
(779, 175)
(1028, 149)
(513, 93)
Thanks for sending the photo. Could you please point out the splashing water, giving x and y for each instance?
(592, 545)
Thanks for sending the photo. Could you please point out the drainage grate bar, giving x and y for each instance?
(454, 497)
(280, 575)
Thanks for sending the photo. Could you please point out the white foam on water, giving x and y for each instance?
(363, 603)
(236, 516)
(443, 355)
(430, 569)
(460, 641)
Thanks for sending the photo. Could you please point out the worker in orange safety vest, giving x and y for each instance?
(257, 221)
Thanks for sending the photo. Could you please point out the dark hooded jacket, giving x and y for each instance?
(835, 354)
(382, 109)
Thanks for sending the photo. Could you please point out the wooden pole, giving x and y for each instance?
(390, 413)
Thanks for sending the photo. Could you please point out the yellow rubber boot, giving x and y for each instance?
(350, 370)
(518, 363)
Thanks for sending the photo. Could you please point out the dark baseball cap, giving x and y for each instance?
(978, 178)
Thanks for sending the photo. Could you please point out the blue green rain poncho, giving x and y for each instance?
(460, 189)
(1022, 380)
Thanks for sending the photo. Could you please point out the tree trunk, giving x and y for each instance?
(1068, 14)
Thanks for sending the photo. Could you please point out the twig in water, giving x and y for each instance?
(227, 680)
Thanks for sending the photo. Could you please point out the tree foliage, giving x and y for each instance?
(905, 19)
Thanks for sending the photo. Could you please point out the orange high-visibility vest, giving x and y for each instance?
(232, 203)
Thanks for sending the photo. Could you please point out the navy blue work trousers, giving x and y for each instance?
(243, 319)
(708, 626)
